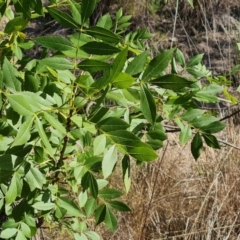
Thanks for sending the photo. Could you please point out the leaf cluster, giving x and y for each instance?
(93, 102)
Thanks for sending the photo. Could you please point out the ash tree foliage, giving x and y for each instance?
(93, 101)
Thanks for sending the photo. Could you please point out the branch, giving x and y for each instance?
(230, 115)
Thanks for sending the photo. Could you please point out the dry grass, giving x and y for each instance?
(178, 198)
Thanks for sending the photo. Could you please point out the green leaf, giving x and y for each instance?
(132, 145)
(203, 120)
(105, 21)
(63, 18)
(124, 19)
(35, 178)
(191, 114)
(126, 167)
(23, 134)
(120, 206)
(27, 103)
(70, 206)
(172, 82)
(38, 154)
(82, 198)
(99, 144)
(55, 42)
(16, 24)
(55, 123)
(110, 220)
(26, 230)
(211, 141)
(196, 146)
(213, 127)
(119, 63)
(7, 164)
(8, 233)
(57, 63)
(9, 76)
(87, 9)
(20, 236)
(92, 235)
(142, 152)
(111, 124)
(208, 93)
(44, 206)
(191, 3)
(147, 104)
(37, 6)
(20, 104)
(100, 214)
(185, 134)
(23, 7)
(158, 64)
(43, 136)
(14, 189)
(75, 10)
(31, 82)
(99, 48)
(109, 193)
(195, 60)
(90, 206)
(137, 64)
(123, 80)
(103, 34)
(88, 180)
(92, 66)
(180, 58)
(119, 13)
(109, 160)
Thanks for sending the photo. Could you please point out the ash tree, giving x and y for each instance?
(92, 102)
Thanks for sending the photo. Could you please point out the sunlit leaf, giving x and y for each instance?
(123, 80)
(55, 42)
(109, 160)
(57, 63)
(8, 233)
(99, 144)
(35, 178)
(55, 123)
(43, 206)
(43, 136)
(185, 134)
(14, 189)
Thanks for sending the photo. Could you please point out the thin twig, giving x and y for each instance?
(175, 22)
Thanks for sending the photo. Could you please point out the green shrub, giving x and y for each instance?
(92, 100)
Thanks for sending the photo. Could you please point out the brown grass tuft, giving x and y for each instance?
(179, 198)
